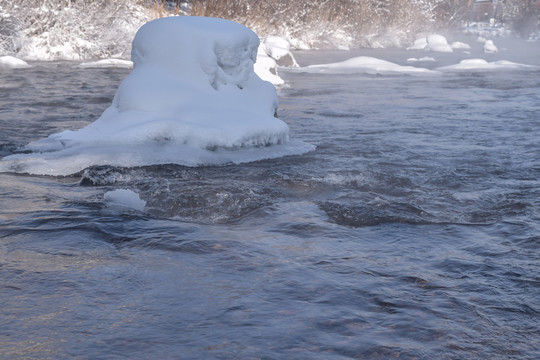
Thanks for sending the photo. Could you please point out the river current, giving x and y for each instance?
(412, 231)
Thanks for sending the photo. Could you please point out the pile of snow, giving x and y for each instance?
(12, 62)
(422, 59)
(273, 52)
(457, 45)
(107, 63)
(191, 99)
(433, 42)
(489, 47)
(438, 43)
(124, 198)
(279, 49)
(481, 64)
(419, 44)
(367, 65)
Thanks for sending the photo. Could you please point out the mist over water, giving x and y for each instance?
(411, 231)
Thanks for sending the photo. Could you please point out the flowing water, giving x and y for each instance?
(412, 231)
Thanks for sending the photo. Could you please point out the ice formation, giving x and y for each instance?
(191, 99)
(489, 47)
(438, 43)
(481, 64)
(12, 62)
(107, 63)
(365, 64)
(124, 198)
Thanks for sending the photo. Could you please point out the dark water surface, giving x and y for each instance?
(413, 231)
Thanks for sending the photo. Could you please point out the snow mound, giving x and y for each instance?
(489, 47)
(438, 43)
(12, 62)
(279, 49)
(481, 64)
(192, 99)
(107, 63)
(419, 44)
(365, 64)
(124, 198)
(460, 45)
(266, 67)
(422, 59)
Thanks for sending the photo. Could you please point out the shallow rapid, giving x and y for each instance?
(412, 231)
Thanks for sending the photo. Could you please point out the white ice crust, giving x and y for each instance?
(107, 63)
(481, 64)
(124, 198)
(192, 99)
(12, 62)
(365, 64)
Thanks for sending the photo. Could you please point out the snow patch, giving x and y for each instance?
(107, 63)
(481, 64)
(12, 62)
(365, 64)
(438, 43)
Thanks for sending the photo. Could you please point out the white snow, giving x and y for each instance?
(460, 45)
(365, 64)
(419, 44)
(279, 49)
(489, 47)
(433, 42)
(124, 198)
(12, 62)
(422, 59)
(438, 43)
(192, 98)
(481, 64)
(107, 63)
(266, 67)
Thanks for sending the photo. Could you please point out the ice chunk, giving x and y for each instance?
(125, 198)
(192, 98)
(12, 62)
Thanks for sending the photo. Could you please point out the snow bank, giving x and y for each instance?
(124, 198)
(12, 62)
(273, 52)
(107, 63)
(279, 49)
(481, 64)
(191, 99)
(365, 64)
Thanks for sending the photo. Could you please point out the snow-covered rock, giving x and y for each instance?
(419, 44)
(107, 63)
(365, 64)
(266, 67)
(438, 43)
(489, 47)
(192, 98)
(482, 65)
(460, 45)
(279, 49)
(12, 62)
